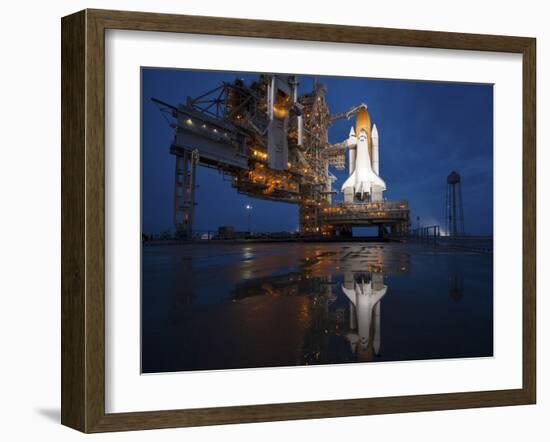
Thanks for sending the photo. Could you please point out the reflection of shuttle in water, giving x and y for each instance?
(365, 294)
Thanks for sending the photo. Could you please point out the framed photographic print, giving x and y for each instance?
(267, 221)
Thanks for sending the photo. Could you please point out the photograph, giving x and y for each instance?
(258, 222)
(297, 219)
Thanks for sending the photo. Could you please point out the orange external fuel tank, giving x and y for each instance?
(362, 121)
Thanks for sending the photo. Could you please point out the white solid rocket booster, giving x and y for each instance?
(375, 160)
(352, 145)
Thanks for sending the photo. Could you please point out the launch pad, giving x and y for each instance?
(391, 217)
(273, 144)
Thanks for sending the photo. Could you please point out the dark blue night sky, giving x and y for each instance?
(426, 130)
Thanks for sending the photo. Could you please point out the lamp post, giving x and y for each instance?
(249, 210)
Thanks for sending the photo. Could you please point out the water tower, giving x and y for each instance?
(454, 216)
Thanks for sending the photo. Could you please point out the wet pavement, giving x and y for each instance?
(213, 305)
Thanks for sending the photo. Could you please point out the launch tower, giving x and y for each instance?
(272, 142)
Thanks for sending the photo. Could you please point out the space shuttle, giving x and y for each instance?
(364, 182)
(365, 297)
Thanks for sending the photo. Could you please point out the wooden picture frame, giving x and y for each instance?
(83, 219)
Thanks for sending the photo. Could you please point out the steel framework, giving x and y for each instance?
(272, 142)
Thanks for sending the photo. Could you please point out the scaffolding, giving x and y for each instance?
(271, 141)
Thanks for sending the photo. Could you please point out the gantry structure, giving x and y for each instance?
(272, 143)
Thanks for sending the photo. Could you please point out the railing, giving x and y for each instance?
(217, 235)
(466, 243)
(427, 233)
(374, 211)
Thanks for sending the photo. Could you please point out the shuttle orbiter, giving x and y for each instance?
(363, 181)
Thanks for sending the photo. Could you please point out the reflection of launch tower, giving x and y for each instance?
(454, 216)
(456, 286)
